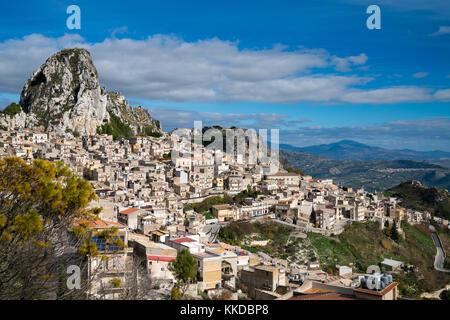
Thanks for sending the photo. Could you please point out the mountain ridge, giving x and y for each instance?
(373, 175)
(353, 150)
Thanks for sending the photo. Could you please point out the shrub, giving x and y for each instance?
(116, 283)
(175, 294)
(115, 128)
(12, 109)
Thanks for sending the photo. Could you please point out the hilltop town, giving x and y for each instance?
(151, 199)
(248, 227)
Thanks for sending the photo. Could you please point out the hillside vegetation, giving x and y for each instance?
(12, 109)
(359, 246)
(364, 244)
(415, 196)
(118, 129)
(242, 233)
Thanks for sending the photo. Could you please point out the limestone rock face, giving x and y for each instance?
(64, 96)
(138, 119)
(17, 121)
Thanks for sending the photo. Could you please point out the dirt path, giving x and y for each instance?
(435, 294)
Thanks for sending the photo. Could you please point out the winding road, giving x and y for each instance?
(440, 254)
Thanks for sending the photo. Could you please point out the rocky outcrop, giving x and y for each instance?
(64, 96)
(138, 119)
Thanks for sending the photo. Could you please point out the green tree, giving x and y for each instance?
(39, 203)
(394, 232)
(297, 171)
(175, 294)
(167, 156)
(187, 208)
(12, 109)
(228, 235)
(184, 267)
(312, 217)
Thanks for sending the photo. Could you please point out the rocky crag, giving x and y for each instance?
(64, 96)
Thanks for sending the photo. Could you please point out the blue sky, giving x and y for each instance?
(310, 68)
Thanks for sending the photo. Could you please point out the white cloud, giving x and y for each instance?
(173, 118)
(19, 58)
(345, 64)
(117, 31)
(442, 30)
(442, 95)
(397, 94)
(168, 68)
(419, 75)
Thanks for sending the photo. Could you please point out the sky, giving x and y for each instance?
(311, 69)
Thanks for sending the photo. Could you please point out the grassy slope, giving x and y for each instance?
(238, 233)
(356, 245)
(363, 244)
(423, 199)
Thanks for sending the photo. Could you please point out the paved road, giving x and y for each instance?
(440, 254)
(212, 230)
(290, 225)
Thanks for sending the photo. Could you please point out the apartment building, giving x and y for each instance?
(209, 269)
(223, 212)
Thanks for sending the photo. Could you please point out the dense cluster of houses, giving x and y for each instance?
(145, 193)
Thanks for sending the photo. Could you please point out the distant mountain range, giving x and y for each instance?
(352, 150)
(372, 175)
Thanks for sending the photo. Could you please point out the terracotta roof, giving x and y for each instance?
(181, 240)
(315, 291)
(128, 211)
(91, 223)
(160, 258)
(97, 223)
(326, 296)
(116, 224)
(377, 293)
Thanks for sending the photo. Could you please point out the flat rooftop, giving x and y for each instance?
(205, 255)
